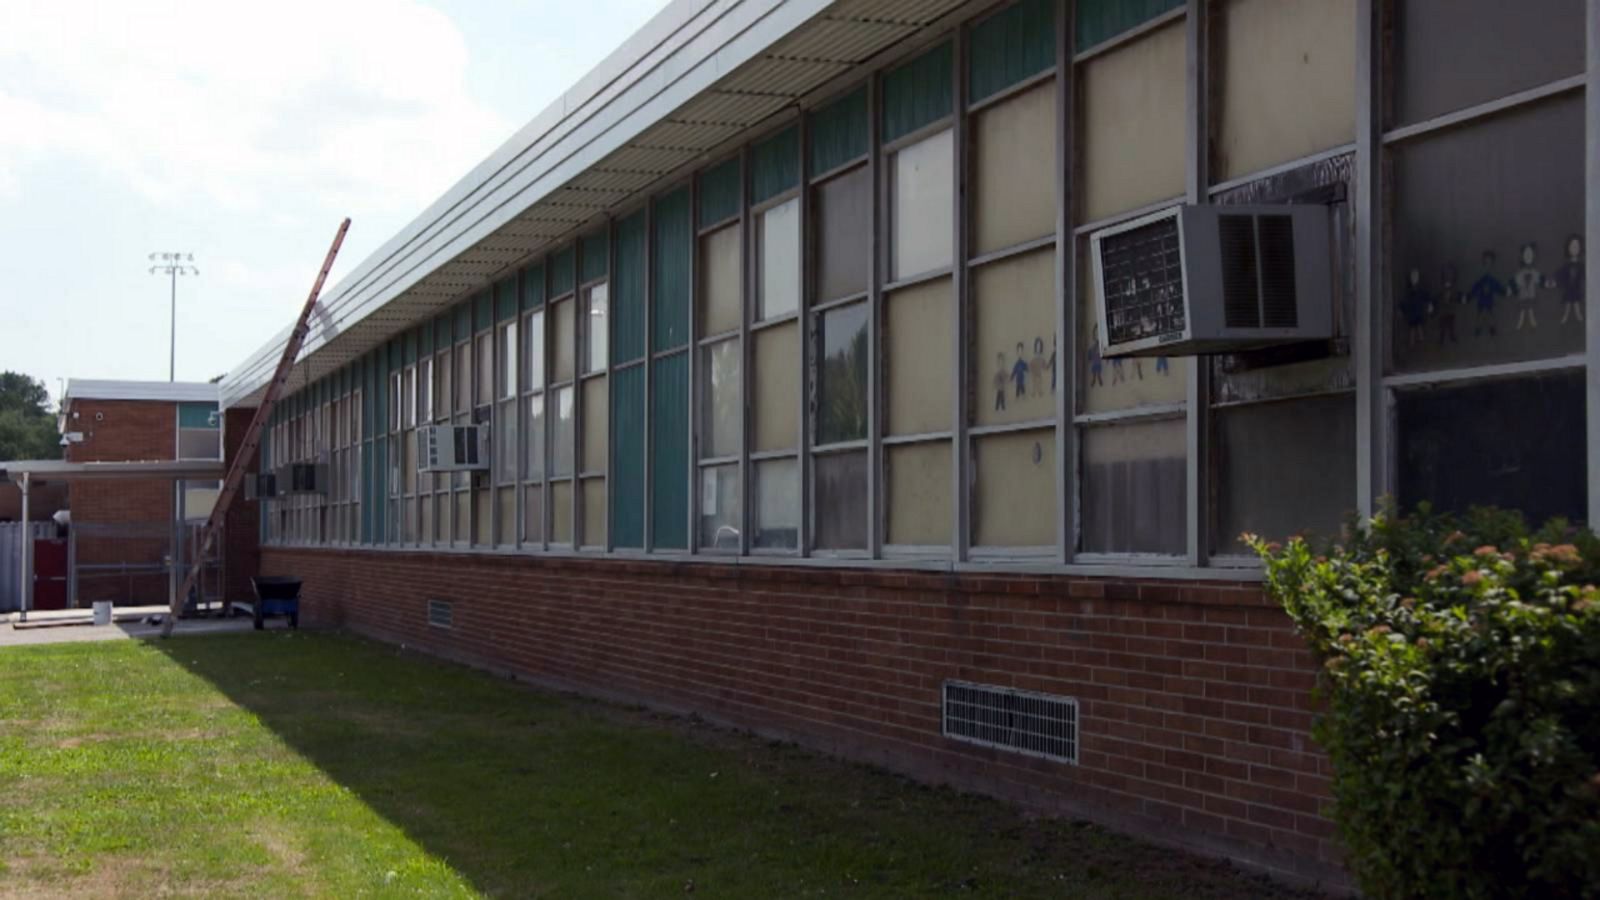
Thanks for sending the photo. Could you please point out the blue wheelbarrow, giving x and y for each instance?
(276, 596)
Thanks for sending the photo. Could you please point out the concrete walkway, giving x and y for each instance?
(135, 630)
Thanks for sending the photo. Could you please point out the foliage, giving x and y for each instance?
(1461, 681)
(27, 426)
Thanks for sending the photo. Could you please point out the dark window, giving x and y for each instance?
(843, 239)
(842, 375)
(841, 513)
(1285, 468)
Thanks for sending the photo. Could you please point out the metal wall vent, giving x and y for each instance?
(441, 613)
(1008, 719)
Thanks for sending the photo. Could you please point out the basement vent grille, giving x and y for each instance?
(1008, 719)
(441, 613)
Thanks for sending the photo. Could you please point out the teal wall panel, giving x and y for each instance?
(561, 272)
(838, 132)
(719, 193)
(442, 332)
(505, 299)
(409, 341)
(1102, 20)
(533, 287)
(594, 259)
(669, 452)
(628, 303)
(366, 492)
(483, 310)
(775, 165)
(627, 455)
(464, 320)
(369, 395)
(918, 93)
(1011, 46)
(425, 342)
(198, 415)
(671, 266)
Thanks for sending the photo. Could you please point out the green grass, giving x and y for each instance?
(289, 764)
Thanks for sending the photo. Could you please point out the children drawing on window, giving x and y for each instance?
(1097, 363)
(1483, 294)
(1415, 307)
(1569, 280)
(1036, 367)
(1526, 283)
(1001, 375)
(1450, 300)
(1019, 371)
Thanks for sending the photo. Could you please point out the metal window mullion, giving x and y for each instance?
(961, 451)
(746, 493)
(612, 305)
(649, 363)
(877, 500)
(1066, 291)
(546, 367)
(1592, 258)
(1372, 417)
(580, 334)
(1197, 172)
(808, 504)
(692, 347)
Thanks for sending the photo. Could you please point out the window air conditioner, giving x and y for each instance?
(261, 486)
(453, 448)
(1195, 280)
(301, 478)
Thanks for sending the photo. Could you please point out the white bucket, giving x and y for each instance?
(102, 612)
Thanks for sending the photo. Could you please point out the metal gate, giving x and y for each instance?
(11, 542)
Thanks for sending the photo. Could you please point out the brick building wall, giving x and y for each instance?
(1195, 697)
(125, 430)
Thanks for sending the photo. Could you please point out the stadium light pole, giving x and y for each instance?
(172, 265)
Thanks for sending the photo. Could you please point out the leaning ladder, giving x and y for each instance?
(252, 436)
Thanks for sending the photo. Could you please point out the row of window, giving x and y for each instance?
(849, 339)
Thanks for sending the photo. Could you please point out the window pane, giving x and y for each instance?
(563, 341)
(1514, 444)
(842, 379)
(596, 422)
(441, 521)
(1288, 82)
(534, 441)
(841, 509)
(507, 386)
(1014, 304)
(719, 281)
(561, 512)
(533, 352)
(842, 220)
(776, 388)
(463, 378)
(1014, 166)
(424, 392)
(441, 392)
(561, 436)
(719, 401)
(918, 324)
(1014, 500)
(923, 206)
(1495, 273)
(485, 386)
(1133, 124)
(1452, 54)
(505, 450)
(719, 508)
(778, 231)
(596, 309)
(463, 517)
(533, 514)
(775, 504)
(1134, 479)
(919, 480)
(408, 463)
(199, 443)
(1105, 385)
(1265, 453)
(594, 512)
(483, 509)
(506, 508)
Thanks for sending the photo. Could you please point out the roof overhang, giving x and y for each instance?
(685, 87)
(167, 391)
(39, 470)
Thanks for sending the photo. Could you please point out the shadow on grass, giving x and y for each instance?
(522, 792)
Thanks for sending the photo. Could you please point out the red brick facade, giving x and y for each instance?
(1195, 697)
(126, 430)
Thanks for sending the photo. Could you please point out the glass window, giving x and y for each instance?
(595, 300)
(776, 388)
(505, 450)
(841, 404)
(1132, 128)
(778, 232)
(843, 221)
(441, 391)
(1015, 340)
(1265, 451)
(484, 509)
(462, 529)
(1452, 54)
(1288, 82)
(719, 402)
(533, 514)
(565, 341)
(561, 436)
(595, 425)
(1014, 165)
(199, 443)
(535, 439)
(594, 512)
(1516, 444)
(719, 508)
(508, 361)
(463, 377)
(924, 207)
(506, 520)
(485, 386)
(1134, 483)
(918, 342)
(1106, 385)
(1014, 498)
(841, 507)
(561, 512)
(1495, 273)
(775, 504)
(719, 281)
(424, 391)
(533, 352)
(919, 478)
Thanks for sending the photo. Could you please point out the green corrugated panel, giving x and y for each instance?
(533, 287)
(918, 93)
(670, 268)
(561, 272)
(442, 332)
(719, 193)
(410, 342)
(369, 395)
(775, 165)
(595, 262)
(627, 454)
(1102, 20)
(1011, 46)
(198, 415)
(425, 343)
(669, 452)
(838, 132)
(380, 459)
(627, 307)
(505, 299)
(366, 492)
(483, 310)
(464, 320)
(380, 404)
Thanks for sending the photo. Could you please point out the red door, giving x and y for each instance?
(50, 574)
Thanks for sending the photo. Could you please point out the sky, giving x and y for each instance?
(242, 133)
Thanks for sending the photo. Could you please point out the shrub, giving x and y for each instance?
(1461, 700)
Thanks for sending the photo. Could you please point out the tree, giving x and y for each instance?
(27, 426)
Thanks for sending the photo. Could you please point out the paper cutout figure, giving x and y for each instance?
(1526, 283)
(1483, 294)
(1036, 367)
(1450, 300)
(1019, 372)
(1097, 363)
(1117, 376)
(1569, 280)
(1053, 344)
(1001, 376)
(1415, 307)
(1163, 367)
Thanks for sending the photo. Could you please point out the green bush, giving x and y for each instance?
(1461, 700)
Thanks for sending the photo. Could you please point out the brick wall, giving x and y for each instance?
(1195, 697)
(126, 430)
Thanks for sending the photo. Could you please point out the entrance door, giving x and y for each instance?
(50, 574)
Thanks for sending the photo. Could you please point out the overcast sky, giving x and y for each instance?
(242, 133)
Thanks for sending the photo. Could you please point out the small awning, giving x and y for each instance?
(58, 470)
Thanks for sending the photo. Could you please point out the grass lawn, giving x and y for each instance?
(295, 764)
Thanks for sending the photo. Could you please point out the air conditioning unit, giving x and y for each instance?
(261, 486)
(301, 478)
(1195, 280)
(453, 448)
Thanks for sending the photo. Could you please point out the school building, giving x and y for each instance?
(898, 377)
